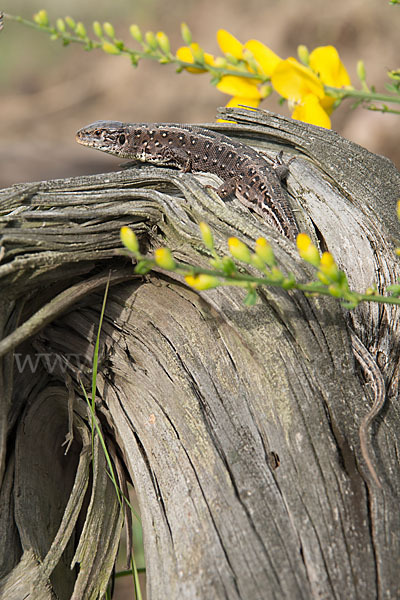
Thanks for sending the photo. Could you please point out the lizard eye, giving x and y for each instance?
(121, 139)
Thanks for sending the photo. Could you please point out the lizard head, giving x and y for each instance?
(107, 136)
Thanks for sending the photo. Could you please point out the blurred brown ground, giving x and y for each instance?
(48, 92)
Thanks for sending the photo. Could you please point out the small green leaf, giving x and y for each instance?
(143, 267)
(134, 59)
(228, 266)
(251, 297)
(394, 289)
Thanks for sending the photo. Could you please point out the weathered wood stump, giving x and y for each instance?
(238, 426)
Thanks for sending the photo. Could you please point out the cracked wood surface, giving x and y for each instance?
(238, 426)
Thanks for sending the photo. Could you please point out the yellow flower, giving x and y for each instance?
(266, 59)
(294, 81)
(303, 86)
(325, 61)
(244, 91)
(310, 110)
(188, 53)
(239, 86)
(238, 101)
(229, 44)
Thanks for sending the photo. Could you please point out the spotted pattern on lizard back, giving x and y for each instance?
(257, 184)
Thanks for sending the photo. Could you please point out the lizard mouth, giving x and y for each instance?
(84, 139)
(103, 135)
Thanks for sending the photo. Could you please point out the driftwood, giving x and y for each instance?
(238, 426)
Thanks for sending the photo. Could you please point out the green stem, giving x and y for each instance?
(383, 109)
(154, 55)
(63, 35)
(363, 95)
(309, 288)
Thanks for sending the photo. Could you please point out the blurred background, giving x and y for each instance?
(49, 91)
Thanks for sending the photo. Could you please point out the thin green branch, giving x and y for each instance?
(343, 93)
(289, 283)
(135, 55)
(383, 109)
(329, 281)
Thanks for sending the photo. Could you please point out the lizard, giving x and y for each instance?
(245, 173)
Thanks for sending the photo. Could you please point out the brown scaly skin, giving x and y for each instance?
(244, 172)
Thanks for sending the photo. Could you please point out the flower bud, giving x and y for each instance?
(328, 267)
(265, 90)
(207, 235)
(80, 30)
(197, 53)
(264, 250)
(70, 22)
(307, 250)
(186, 34)
(129, 239)
(110, 48)
(202, 281)
(163, 42)
(97, 29)
(361, 74)
(303, 54)
(109, 30)
(136, 33)
(60, 25)
(41, 18)
(164, 259)
(239, 250)
(221, 62)
(151, 40)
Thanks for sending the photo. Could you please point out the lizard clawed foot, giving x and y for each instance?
(280, 167)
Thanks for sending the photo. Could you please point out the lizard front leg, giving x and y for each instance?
(236, 186)
(280, 167)
(176, 157)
